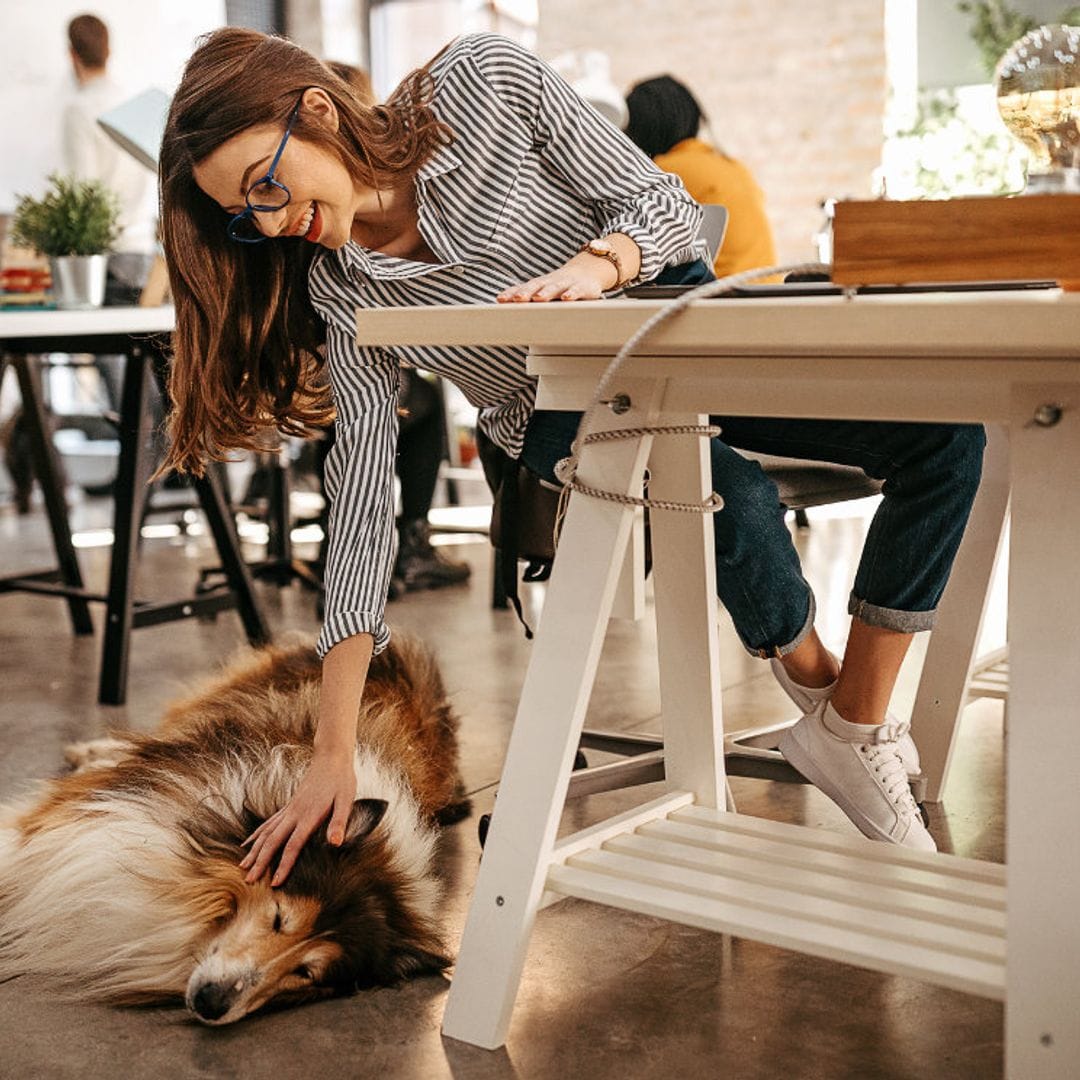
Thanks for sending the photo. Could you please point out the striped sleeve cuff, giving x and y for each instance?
(348, 624)
(651, 264)
(652, 259)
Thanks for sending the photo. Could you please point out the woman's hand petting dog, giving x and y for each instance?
(328, 788)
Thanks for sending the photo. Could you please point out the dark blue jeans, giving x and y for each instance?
(931, 473)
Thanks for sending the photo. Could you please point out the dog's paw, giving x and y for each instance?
(96, 753)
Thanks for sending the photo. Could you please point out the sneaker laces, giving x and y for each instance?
(883, 756)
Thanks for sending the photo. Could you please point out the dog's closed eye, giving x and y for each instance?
(277, 921)
(304, 972)
(227, 908)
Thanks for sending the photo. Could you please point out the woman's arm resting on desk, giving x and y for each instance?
(328, 787)
(632, 200)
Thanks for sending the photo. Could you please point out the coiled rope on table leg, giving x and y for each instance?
(710, 505)
(566, 469)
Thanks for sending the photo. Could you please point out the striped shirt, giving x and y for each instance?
(531, 174)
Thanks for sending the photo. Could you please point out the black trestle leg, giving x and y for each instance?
(215, 506)
(47, 469)
(129, 495)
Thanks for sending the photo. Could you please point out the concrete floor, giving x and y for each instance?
(604, 994)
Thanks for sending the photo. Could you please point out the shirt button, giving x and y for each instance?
(459, 269)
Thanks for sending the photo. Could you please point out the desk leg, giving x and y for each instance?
(219, 517)
(942, 694)
(1042, 1036)
(47, 469)
(687, 631)
(129, 495)
(542, 745)
(215, 505)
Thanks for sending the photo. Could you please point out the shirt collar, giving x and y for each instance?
(353, 257)
(444, 160)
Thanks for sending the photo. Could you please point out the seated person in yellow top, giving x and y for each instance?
(664, 122)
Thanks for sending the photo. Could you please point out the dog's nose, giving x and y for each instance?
(212, 1000)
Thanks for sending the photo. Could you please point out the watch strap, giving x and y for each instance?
(609, 253)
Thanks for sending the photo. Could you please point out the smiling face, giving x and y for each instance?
(324, 198)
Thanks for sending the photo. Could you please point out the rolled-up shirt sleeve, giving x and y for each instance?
(629, 193)
(360, 487)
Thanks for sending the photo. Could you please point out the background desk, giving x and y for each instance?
(136, 333)
(1007, 359)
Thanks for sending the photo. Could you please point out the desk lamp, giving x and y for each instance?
(138, 126)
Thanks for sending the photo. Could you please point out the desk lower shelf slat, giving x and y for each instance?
(990, 677)
(938, 918)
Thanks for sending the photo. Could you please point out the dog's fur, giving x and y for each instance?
(121, 881)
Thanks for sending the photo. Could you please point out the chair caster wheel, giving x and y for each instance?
(483, 823)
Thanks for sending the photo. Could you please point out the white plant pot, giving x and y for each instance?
(78, 281)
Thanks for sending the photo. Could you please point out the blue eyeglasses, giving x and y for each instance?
(264, 196)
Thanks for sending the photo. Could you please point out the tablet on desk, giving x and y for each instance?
(649, 291)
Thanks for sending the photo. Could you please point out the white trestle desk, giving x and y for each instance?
(1009, 359)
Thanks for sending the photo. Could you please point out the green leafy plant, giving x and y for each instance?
(996, 24)
(73, 217)
(942, 153)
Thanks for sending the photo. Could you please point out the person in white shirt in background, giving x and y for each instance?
(89, 154)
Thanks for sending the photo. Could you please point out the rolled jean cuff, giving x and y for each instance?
(905, 622)
(791, 646)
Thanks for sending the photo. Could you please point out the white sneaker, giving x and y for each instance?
(806, 697)
(859, 767)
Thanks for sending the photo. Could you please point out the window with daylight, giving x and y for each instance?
(405, 34)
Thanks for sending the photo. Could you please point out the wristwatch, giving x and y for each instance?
(604, 249)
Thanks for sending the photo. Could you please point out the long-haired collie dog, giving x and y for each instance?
(120, 881)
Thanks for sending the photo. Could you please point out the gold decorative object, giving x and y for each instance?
(1038, 95)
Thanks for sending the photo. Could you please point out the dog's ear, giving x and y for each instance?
(414, 960)
(364, 816)
(250, 819)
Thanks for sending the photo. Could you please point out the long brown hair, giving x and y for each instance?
(247, 339)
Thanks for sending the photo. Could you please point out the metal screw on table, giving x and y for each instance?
(618, 404)
(1047, 415)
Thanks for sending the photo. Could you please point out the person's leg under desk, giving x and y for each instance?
(931, 474)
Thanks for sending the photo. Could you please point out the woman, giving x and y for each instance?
(664, 120)
(484, 176)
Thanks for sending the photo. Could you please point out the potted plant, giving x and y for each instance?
(74, 224)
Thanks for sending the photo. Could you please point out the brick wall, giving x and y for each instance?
(794, 88)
